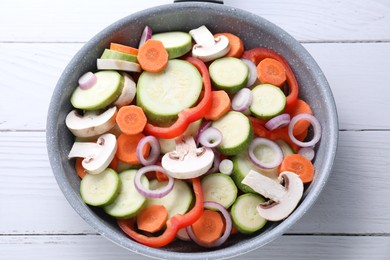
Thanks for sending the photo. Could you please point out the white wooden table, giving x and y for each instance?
(349, 39)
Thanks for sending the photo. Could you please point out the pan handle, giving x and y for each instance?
(210, 1)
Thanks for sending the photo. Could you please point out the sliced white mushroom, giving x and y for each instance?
(91, 123)
(219, 49)
(187, 161)
(202, 36)
(283, 198)
(128, 92)
(97, 156)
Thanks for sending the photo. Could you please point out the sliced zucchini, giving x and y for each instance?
(178, 200)
(286, 148)
(100, 189)
(237, 133)
(219, 187)
(268, 101)
(129, 201)
(229, 74)
(176, 43)
(116, 55)
(106, 90)
(241, 167)
(165, 94)
(245, 215)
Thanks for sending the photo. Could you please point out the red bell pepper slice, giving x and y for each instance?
(258, 54)
(188, 115)
(173, 225)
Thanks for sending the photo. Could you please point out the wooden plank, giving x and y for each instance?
(32, 70)
(286, 247)
(353, 202)
(78, 21)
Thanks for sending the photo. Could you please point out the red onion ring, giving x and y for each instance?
(271, 144)
(211, 137)
(154, 152)
(146, 35)
(228, 223)
(307, 152)
(316, 128)
(203, 126)
(216, 162)
(252, 72)
(242, 100)
(278, 121)
(87, 80)
(159, 193)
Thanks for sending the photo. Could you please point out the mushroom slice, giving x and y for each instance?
(283, 198)
(187, 161)
(203, 36)
(208, 53)
(91, 123)
(97, 156)
(128, 92)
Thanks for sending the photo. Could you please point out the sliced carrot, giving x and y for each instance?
(271, 71)
(298, 164)
(131, 119)
(114, 164)
(236, 45)
(152, 218)
(220, 105)
(152, 56)
(209, 227)
(81, 172)
(123, 48)
(300, 107)
(127, 146)
(258, 126)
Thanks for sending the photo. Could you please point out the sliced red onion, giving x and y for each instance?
(226, 166)
(242, 100)
(146, 35)
(228, 224)
(216, 162)
(154, 150)
(316, 128)
(87, 80)
(183, 235)
(252, 72)
(203, 126)
(158, 193)
(211, 137)
(278, 121)
(271, 158)
(307, 152)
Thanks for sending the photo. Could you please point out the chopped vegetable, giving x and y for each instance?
(236, 45)
(123, 48)
(152, 218)
(127, 148)
(300, 165)
(220, 105)
(131, 120)
(152, 56)
(271, 71)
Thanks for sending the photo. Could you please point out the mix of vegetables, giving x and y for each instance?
(190, 136)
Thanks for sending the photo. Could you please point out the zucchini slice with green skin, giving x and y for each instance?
(106, 90)
(245, 215)
(229, 74)
(129, 201)
(165, 94)
(178, 200)
(237, 133)
(100, 189)
(176, 43)
(116, 55)
(242, 166)
(268, 101)
(219, 187)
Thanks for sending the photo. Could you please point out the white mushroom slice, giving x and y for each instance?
(209, 53)
(187, 161)
(203, 36)
(97, 156)
(91, 123)
(283, 198)
(128, 92)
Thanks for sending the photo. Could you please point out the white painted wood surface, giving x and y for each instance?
(350, 40)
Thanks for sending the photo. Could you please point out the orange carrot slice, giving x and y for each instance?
(152, 56)
(127, 146)
(131, 119)
(152, 218)
(236, 45)
(300, 107)
(123, 48)
(209, 227)
(220, 105)
(299, 165)
(271, 71)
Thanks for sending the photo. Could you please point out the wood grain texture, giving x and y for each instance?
(286, 247)
(70, 21)
(32, 71)
(356, 190)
